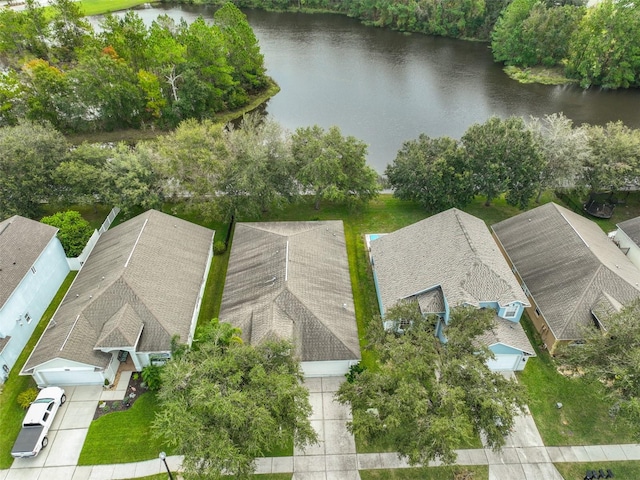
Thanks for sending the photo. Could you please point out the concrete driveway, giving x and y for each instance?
(58, 460)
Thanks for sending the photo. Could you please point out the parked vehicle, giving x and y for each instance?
(37, 421)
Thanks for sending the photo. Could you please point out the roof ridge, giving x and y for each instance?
(464, 231)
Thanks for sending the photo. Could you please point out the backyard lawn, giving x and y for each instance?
(11, 414)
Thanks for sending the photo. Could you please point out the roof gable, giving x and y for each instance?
(22, 241)
(567, 263)
(291, 280)
(148, 272)
(452, 249)
(631, 228)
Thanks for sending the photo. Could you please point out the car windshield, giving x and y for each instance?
(43, 400)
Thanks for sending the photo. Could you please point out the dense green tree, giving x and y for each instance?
(128, 36)
(504, 158)
(565, 150)
(73, 231)
(610, 356)
(432, 172)
(333, 167)
(614, 157)
(70, 30)
(224, 403)
(29, 154)
(258, 175)
(243, 48)
(425, 397)
(12, 104)
(132, 179)
(79, 179)
(605, 49)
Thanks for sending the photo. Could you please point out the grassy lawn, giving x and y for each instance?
(621, 470)
(584, 417)
(97, 7)
(11, 414)
(123, 437)
(480, 472)
(268, 476)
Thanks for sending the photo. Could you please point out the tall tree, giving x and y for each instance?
(70, 30)
(605, 49)
(610, 356)
(614, 157)
(258, 175)
(564, 148)
(80, 178)
(427, 397)
(224, 403)
(29, 153)
(333, 167)
(433, 172)
(504, 158)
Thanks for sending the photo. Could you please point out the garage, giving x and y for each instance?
(504, 363)
(67, 377)
(337, 368)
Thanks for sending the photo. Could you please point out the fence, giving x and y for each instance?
(77, 262)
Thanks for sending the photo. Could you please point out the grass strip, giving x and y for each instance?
(629, 470)
(11, 414)
(454, 472)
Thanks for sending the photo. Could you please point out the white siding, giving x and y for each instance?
(625, 242)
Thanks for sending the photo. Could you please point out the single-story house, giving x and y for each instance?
(141, 285)
(571, 270)
(33, 265)
(291, 280)
(627, 237)
(450, 260)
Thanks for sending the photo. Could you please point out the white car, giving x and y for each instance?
(37, 421)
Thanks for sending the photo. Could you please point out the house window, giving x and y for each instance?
(159, 358)
(538, 312)
(33, 270)
(27, 317)
(526, 290)
(511, 310)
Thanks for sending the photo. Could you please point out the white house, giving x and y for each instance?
(141, 286)
(33, 265)
(291, 280)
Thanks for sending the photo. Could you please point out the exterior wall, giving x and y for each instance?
(623, 241)
(501, 310)
(333, 368)
(196, 311)
(32, 296)
(76, 263)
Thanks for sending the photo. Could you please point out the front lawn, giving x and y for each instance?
(480, 472)
(123, 437)
(11, 414)
(584, 418)
(621, 470)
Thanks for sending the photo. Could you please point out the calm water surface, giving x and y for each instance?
(385, 87)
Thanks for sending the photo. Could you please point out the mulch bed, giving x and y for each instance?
(134, 390)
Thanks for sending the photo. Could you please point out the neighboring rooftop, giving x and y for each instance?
(139, 287)
(569, 265)
(451, 254)
(507, 333)
(21, 243)
(291, 280)
(631, 228)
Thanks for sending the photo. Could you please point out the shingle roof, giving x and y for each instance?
(632, 229)
(507, 333)
(451, 250)
(291, 280)
(143, 274)
(21, 243)
(567, 263)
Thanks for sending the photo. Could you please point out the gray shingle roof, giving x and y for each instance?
(143, 274)
(632, 229)
(291, 280)
(567, 263)
(21, 243)
(452, 250)
(508, 333)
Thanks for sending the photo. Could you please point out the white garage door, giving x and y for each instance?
(503, 362)
(71, 377)
(325, 369)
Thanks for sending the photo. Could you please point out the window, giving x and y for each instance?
(33, 270)
(511, 310)
(27, 317)
(538, 312)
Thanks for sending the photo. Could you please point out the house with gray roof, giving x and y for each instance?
(141, 285)
(572, 271)
(291, 280)
(33, 265)
(627, 237)
(450, 260)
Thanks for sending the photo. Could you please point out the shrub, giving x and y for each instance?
(219, 247)
(354, 371)
(27, 397)
(151, 376)
(74, 231)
